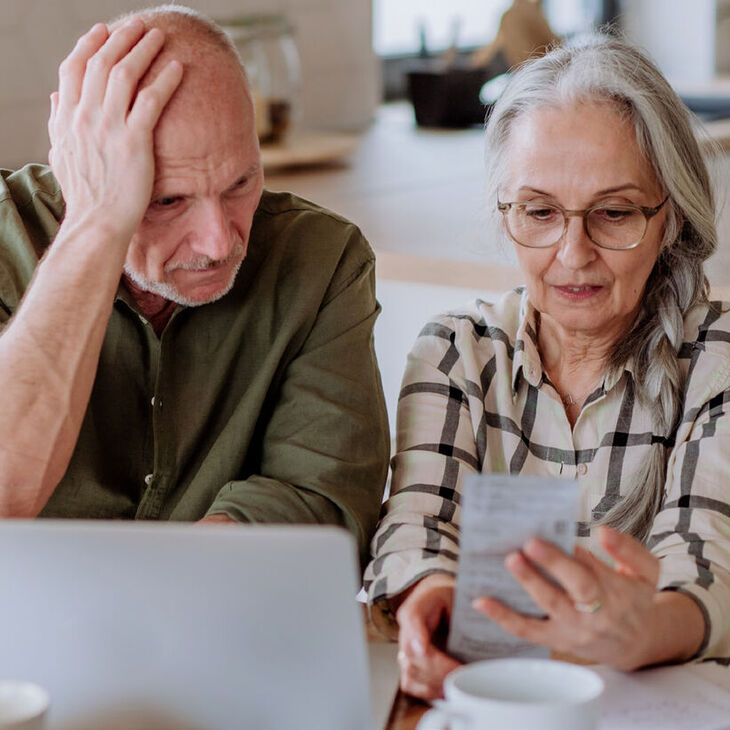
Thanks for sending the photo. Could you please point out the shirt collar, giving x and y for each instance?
(526, 360)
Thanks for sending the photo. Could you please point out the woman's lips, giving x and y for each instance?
(578, 293)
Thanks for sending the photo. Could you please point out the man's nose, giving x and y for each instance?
(215, 235)
(575, 248)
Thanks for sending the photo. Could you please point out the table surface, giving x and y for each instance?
(406, 711)
(660, 697)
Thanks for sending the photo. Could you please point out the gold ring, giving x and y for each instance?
(592, 607)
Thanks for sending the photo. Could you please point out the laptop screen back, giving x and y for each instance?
(182, 626)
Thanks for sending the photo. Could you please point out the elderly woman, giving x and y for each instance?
(610, 367)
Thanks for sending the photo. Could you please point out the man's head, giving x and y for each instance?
(208, 176)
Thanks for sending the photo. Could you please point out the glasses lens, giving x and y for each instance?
(616, 226)
(535, 224)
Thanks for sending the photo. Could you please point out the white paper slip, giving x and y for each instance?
(498, 515)
(670, 698)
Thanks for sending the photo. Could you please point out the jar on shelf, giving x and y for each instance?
(269, 55)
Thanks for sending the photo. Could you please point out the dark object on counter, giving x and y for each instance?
(708, 106)
(448, 96)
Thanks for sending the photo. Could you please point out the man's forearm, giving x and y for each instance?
(48, 356)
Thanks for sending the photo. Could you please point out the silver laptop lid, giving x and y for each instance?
(181, 626)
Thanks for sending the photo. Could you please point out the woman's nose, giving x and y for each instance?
(575, 248)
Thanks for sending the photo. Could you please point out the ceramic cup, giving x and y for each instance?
(23, 705)
(518, 694)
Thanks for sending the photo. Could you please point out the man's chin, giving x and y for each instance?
(196, 297)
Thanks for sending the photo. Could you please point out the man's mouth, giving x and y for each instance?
(205, 263)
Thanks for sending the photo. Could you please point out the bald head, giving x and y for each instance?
(211, 65)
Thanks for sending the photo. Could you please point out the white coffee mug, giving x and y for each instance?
(518, 694)
(23, 705)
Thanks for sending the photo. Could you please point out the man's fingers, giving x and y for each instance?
(98, 67)
(150, 102)
(127, 72)
(631, 557)
(52, 114)
(72, 68)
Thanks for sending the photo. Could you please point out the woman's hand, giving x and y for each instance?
(101, 128)
(422, 614)
(602, 613)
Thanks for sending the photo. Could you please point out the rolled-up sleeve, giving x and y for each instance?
(419, 533)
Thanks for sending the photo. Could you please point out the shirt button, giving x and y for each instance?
(148, 479)
(152, 402)
(582, 469)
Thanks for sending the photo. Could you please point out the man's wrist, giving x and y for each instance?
(95, 227)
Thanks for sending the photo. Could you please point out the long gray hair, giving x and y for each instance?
(606, 69)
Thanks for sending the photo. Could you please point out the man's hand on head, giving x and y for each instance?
(101, 128)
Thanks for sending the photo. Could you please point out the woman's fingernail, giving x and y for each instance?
(515, 562)
(535, 548)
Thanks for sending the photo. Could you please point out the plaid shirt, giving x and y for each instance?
(475, 398)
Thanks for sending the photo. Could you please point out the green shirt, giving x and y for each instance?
(265, 405)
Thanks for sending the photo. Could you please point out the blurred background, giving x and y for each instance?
(352, 54)
(374, 108)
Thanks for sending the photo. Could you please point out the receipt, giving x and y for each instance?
(498, 515)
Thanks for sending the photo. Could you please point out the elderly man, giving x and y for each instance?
(189, 347)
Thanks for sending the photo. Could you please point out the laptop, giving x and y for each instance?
(163, 626)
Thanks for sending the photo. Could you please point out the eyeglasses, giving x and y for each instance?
(540, 225)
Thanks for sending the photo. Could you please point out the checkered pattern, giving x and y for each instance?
(475, 398)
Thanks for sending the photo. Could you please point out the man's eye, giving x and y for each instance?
(166, 202)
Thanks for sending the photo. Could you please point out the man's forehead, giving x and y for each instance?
(209, 144)
(209, 101)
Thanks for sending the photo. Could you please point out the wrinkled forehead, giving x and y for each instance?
(198, 123)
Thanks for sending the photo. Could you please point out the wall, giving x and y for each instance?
(340, 73)
(679, 35)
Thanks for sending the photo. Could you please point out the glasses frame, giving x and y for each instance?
(648, 214)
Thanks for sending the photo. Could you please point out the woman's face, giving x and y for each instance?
(577, 157)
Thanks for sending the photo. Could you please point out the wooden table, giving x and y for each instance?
(406, 712)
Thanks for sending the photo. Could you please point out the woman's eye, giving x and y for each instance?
(539, 214)
(167, 202)
(614, 215)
